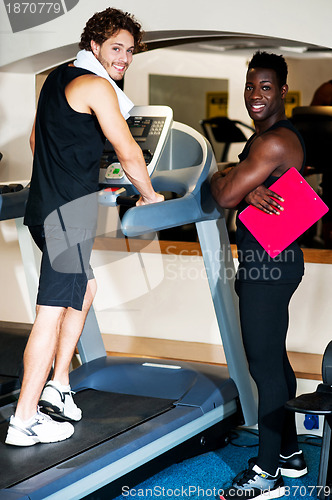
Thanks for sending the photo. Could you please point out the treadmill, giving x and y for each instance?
(140, 414)
(13, 336)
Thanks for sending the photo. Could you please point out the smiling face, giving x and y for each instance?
(115, 54)
(263, 97)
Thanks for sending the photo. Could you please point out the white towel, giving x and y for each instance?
(86, 60)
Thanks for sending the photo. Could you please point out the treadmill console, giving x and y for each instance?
(150, 127)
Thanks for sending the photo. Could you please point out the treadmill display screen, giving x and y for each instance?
(138, 131)
(139, 126)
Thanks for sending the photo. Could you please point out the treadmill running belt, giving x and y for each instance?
(105, 415)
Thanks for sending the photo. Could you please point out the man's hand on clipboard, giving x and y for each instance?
(264, 199)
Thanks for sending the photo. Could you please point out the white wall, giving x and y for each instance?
(17, 111)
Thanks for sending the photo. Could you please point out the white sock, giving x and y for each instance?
(63, 388)
(292, 455)
(257, 469)
(28, 422)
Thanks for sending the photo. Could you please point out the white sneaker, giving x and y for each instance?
(39, 429)
(57, 400)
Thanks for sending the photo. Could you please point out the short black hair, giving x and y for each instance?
(270, 61)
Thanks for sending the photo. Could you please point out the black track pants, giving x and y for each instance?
(264, 323)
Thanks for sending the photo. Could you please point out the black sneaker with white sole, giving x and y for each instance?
(254, 483)
(292, 466)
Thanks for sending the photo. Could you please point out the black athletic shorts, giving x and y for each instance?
(65, 265)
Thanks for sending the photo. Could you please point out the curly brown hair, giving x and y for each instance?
(102, 25)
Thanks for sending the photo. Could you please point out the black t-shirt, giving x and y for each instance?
(68, 148)
(255, 264)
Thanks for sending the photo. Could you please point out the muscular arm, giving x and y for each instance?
(97, 95)
(267, 154)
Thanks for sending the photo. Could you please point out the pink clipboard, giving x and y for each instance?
(302, 208)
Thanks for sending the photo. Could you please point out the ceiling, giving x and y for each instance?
(231, 43)
(195, 41)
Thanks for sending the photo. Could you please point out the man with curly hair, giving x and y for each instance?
(78, 107)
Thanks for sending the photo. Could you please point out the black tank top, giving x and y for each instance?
(68, 148)
(254, 263)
